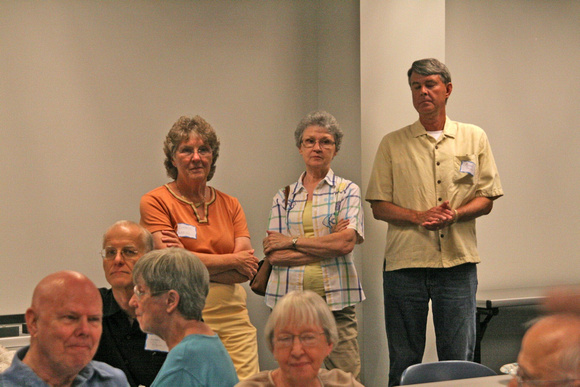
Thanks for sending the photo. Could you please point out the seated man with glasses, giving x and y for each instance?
(171, 286)
(123, 345)
(550, 353)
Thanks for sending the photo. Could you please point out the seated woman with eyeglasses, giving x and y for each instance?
(300, 332)
(314, 225)
(171, 286)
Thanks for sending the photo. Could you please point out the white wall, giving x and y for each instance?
(513, 65)
(393, 34)
(89, 90)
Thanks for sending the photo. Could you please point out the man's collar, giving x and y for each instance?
(449, 130)
(110, 306)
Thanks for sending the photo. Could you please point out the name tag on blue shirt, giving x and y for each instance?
(155, 343)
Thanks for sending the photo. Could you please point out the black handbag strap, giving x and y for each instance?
(286, 193)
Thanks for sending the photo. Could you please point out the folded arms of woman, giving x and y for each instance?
(281, 250)
(236, 267)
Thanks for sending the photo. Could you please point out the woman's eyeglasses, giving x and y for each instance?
(139, 293)
(308, 339)
(324, 143)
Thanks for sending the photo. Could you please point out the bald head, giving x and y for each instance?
(59, 286)
(551, 349)
(135, 230)
(65, 324)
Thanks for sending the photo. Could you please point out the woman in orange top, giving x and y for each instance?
(190, 214)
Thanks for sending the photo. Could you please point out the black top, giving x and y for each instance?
(123, 345)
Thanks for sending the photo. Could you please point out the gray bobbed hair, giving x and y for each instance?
(324, 120)
(299, 308)
(175, 269)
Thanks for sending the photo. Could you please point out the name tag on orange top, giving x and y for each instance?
(185, 230)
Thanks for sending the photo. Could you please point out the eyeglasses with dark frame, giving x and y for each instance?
(127, 252)
(324, 143)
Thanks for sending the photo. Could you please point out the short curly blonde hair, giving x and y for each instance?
(182, 131)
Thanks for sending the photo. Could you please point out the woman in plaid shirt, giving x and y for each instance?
(312, 232)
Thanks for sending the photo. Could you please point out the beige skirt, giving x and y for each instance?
(227, 315)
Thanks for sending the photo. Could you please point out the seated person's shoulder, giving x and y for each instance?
(338, 378)
(105, 374)
(261, 379)
(6, 357)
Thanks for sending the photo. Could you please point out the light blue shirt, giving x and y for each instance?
(197, 361)
(94, 374)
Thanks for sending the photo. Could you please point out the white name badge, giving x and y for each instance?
(467, 167)
(155, 343)
(185, 230)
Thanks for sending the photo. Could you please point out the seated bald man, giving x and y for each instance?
(123, 345)
(64, 321)
(550, 353)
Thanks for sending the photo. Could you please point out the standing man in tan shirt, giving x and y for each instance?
(429, 182)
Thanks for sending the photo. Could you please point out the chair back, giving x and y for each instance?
(444, 370)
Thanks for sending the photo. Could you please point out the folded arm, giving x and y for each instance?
(236, 267)
(281, 250)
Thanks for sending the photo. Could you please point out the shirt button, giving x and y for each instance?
(438, 163)
(438, 181)
(440, 199)
(442, 235)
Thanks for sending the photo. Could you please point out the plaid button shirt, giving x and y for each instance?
(334, 199)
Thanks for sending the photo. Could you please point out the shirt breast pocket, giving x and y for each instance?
(466, 170)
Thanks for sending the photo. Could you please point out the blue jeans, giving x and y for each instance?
(407, 293)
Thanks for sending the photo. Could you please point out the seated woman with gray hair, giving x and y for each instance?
(301, 332)
(170, 290)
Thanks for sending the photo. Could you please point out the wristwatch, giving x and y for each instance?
(294, 240)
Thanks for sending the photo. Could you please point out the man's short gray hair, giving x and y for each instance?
(145, 235)
(176, 269)
(430, 66)
(301, 308)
